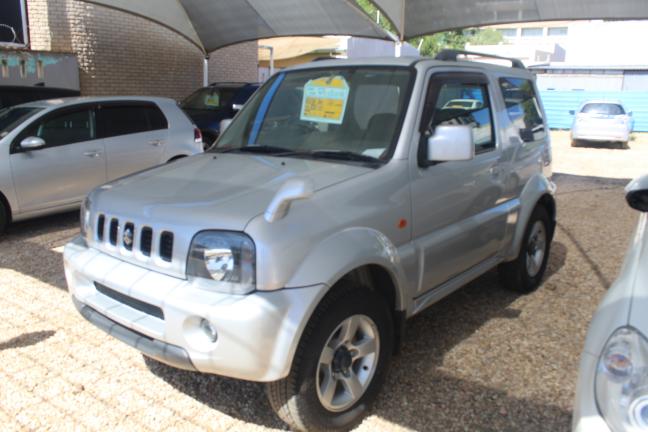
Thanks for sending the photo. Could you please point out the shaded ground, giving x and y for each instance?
(483, 359)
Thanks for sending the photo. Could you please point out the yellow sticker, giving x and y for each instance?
(212, 100)
(325, 100)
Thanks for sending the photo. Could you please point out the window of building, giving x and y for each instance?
(532, 32)
(508, 32)
(557, 31)
(13, 22)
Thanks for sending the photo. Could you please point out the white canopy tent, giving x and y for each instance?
(413, 18)
(214, 24)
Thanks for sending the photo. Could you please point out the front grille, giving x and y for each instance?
(166, 246)
(146, 241)
(130, 301)
(128, 240)
(130, 232)
(114, 229)
(100, 227)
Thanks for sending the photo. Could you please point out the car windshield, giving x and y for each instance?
(11, 118)
(345, 114)
(209, 98)
(603, 109)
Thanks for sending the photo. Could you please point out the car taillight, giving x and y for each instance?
(198, 136)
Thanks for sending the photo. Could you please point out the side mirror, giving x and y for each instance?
(224, 124)
(237, 107)
(629, 113)
(637, 194)
(572, 112)
(32, 143)
(451, 143)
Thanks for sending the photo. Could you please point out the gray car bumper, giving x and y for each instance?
(166, 353)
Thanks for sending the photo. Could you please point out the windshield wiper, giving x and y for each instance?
(261, 149)
(344, 155)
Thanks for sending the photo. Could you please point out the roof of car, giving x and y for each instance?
(407, 61)
(59, 102)
(603, 101)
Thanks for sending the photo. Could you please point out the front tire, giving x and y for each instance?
(524, 274)
(340, 364)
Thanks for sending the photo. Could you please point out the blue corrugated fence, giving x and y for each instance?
(558, 103)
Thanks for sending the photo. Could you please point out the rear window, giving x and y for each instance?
(116, 120)
(210, 98)
(11, 118)
(603, 108)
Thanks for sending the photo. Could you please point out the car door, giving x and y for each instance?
(456, 220)
(71, 163)
(135, 135)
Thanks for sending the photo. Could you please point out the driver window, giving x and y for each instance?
(67, 128)
(466, 104)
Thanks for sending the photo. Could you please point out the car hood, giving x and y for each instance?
(213, 191)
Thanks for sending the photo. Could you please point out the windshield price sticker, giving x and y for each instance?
(212, 100)
(325, 100)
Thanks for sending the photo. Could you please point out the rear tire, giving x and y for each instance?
(524, 274)
(337, 371)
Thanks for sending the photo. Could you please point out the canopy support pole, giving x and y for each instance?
(271, 49)
(206, 71)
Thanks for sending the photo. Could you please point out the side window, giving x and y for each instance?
(156, 118)
(116, 120)
(67, 128)
(523, 108)
(466, 104)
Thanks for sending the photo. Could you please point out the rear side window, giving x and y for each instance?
(66, 128)
(116, 120)
(523, 108)
(603, 109)
(466, 104)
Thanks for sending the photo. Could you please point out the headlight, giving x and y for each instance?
(622, 381)
(223, 261)
(85, 217)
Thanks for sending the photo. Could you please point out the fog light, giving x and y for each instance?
(209, 330)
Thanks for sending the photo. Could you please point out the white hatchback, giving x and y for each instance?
(54, 152)
(602, 120)
(612, 393)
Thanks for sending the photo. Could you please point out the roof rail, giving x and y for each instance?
(451, 55)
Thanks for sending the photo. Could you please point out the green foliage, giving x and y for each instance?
(431, 45)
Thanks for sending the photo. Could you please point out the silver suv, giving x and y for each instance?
(345, 197)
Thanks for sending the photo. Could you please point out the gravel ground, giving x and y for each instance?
(482, 359)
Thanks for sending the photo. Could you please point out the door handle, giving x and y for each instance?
(92, 154)
(156, 143)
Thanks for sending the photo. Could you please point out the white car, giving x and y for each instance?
(612, 392)
(602, 120)
(53, 152)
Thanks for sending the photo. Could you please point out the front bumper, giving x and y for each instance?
(586, 417)
(160, 315)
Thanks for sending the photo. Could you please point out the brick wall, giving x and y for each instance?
(121, 54)
(232, 63)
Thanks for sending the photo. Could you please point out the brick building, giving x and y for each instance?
(119, 53)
